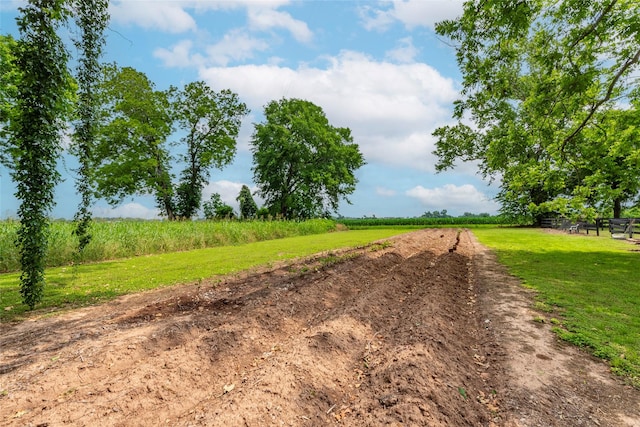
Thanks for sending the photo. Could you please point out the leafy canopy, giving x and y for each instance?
(537, 75)
(212, 121)
(302, 164)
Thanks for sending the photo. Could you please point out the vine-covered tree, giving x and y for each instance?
(248, 207)
(42, 106)
(92, 18)
(536, 76)
(131, 155)
(302, 164)
(212, 122)
(9, 77)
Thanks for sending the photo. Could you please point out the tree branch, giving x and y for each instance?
(594, 108)
(591, 28)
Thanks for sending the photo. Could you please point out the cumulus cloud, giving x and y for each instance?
(266, 18)
(411, 13)
(392, 109)
(236, 45)
(404, 53)
(454, 198)
(179, 55)
(163, 16)
(127, 210)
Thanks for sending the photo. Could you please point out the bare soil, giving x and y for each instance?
(429, 331)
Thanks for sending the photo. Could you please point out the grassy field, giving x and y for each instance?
(587, 286)
(127, 238)
(69, 287)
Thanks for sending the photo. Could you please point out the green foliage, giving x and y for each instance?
(212, 122)
(215, 208)
(303, 165)
(248, 207)
(436, 214)
(9, 79)
(92, 283)
(41, 107)
(123, 239)
(92, 18)
(590, 283)
(263, 213)
(538, 79)
(131, 155)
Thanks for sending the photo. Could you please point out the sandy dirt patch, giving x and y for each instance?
(427, 331)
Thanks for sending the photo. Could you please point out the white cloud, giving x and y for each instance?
(454, 198)
(411, 13)
(236, 45)
(385, 192)
(265, 19)
(179, 55)
(375, 19)
(392, 109)
(128, 210)
(405, 53)
(164, 16)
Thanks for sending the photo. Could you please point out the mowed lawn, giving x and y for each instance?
(588, 287)
(69, 287)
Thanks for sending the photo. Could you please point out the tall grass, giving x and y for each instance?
(128, 238)
(70, 287)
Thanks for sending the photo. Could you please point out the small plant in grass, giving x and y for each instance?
(380, 246)
(542, 306)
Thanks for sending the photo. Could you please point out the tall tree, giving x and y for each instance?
(609, 162)
(131, 155)
(302, 164)
(536, 74)
(41, 109)
(92, 17)
(248, 207)
(9, 78)
(212, 122)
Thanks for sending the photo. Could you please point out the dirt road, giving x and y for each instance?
(425, 331)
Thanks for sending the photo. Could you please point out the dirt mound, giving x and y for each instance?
(427, 331)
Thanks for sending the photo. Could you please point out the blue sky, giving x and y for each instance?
(376, 67)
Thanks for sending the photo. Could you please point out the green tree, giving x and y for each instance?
(536, 74)
(42, 106)
(9, 78)
(212, 122)
(248, 207)
(609, 162)
(92, 18)
(215, 208)
(302, 164)
(131, 155)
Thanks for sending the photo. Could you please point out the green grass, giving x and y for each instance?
(69, 287)
(126, 238)
(592, 283)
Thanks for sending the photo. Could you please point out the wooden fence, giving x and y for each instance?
(615, 226)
